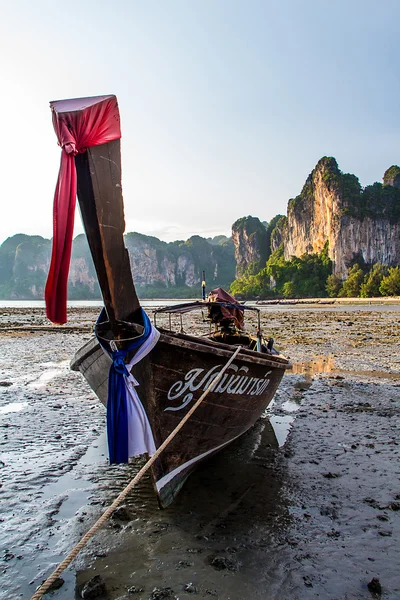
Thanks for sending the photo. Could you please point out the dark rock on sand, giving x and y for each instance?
(222, 563)
(94, 588)
(307, 581)
(122, 514)
(374, 586)
(55, 585)
(183, 564)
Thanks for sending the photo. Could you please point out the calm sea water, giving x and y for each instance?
(81, 303)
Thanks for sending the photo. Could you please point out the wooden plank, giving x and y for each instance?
(218, 349)
(101, 204)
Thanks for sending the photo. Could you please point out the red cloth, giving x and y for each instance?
(79, 124)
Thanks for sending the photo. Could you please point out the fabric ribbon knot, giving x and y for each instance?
(119, 363)
(77, 129)
(128, 428)
(70, 148)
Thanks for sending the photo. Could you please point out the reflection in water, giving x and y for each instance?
(282, 424)
(319, 364)
(326, 364)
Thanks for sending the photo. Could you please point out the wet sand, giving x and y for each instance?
(308, 508)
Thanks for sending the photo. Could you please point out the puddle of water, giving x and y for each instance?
(319, 364)
(289, 406)
(282, 424)
(372, 373)
(326, 364)
(13, 407)
(45, 377)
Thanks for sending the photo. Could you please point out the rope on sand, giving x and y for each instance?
(107, 513)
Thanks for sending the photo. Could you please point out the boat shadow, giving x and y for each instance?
(236, 489)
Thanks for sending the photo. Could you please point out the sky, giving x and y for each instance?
(226, 105)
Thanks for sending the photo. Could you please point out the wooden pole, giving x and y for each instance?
(101, 204)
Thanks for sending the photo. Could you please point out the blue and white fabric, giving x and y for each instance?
(128, 428)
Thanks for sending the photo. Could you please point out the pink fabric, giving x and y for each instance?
(79, 124)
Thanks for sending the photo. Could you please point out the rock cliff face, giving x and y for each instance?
(278, 232)
(156, 263)
(358, 224)
(249, 236)
(156, 266)
(82, 281)
(24, 264)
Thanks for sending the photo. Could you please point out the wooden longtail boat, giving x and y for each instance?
(180, 366)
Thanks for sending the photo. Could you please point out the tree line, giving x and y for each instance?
(310, 276)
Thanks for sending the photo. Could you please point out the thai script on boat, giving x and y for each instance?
(237, 383)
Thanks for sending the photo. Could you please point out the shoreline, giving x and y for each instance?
(153, 302)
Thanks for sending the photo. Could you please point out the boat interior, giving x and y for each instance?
(224, 325)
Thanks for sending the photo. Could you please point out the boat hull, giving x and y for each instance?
(171, 378)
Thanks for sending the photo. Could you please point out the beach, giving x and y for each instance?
(305, 505)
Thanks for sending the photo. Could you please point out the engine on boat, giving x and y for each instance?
(228, 318)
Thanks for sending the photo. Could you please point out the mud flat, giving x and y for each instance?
(305, 505)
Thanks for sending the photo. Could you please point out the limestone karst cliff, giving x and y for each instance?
(156, 263)
(24, 264)
(254, 241)
(333, 223)
(359, 224)
(158, 268)
(250, 239)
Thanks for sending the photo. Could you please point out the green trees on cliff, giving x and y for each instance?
(310, 276)
(379, 280)
(299, 277)
(252, 233)
(390, 285)
(334, 204)
(370, 286)
(351, 286)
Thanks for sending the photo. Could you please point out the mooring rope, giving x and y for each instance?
(107, 513)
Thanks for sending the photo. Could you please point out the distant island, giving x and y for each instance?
(337, 239)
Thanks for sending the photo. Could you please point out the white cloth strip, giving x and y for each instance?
(140, 435)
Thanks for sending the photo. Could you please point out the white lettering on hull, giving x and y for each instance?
(197, 379)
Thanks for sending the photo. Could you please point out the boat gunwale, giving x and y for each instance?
(196, 344)
(203, 344)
